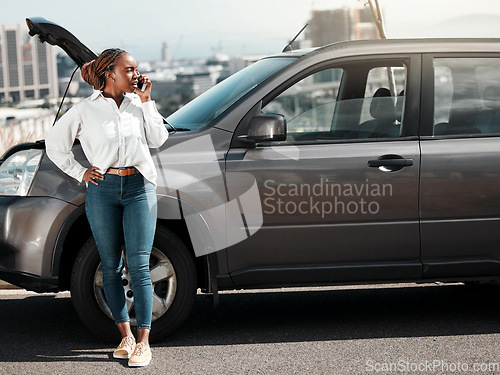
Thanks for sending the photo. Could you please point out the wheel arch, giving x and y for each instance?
(76, 231)
(72, 235)
(203, 270)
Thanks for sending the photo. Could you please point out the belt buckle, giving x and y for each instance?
(120, 171)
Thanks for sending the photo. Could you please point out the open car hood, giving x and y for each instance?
(56, 35)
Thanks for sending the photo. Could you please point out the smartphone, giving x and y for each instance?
(141, 85)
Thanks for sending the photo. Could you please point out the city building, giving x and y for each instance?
(165, 53)
(28, 68)
(329, 26)
(363, 25)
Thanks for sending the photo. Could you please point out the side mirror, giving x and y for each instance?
(269, 127)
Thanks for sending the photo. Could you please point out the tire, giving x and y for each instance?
(173, 274)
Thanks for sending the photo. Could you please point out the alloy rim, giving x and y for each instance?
(164, 282)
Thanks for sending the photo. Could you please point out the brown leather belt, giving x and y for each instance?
(128, 171)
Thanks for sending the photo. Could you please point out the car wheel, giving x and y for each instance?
(173, 275)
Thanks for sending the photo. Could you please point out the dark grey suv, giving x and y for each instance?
(358, 162)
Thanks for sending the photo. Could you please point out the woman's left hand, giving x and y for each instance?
(146, 94)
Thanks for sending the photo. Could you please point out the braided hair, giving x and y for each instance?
(94, 71)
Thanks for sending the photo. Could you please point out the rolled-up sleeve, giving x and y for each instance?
(156, 132)
(59, 142)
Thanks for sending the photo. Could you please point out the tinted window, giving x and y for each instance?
(353, 102)
(308, 106)
(466, 96)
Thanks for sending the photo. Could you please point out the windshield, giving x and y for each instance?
(205, 108)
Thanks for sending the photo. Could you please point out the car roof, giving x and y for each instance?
(395, 46)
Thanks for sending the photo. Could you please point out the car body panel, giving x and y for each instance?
(460, 190)
(460, 205)
(30, 227)
(50, 181)
(327, 207)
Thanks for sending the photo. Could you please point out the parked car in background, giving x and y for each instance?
(358, 162)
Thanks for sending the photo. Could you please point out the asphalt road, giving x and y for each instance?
(452, 329)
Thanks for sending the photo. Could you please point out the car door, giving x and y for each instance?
(340, 196)
(460, 188)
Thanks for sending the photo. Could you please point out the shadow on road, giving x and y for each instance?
(45, 328)
(342, 315)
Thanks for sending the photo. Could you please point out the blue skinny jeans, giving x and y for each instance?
(122, 210)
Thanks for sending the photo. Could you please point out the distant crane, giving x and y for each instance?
(377, 16)
(379, 22)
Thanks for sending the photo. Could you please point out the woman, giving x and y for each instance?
(116, 125)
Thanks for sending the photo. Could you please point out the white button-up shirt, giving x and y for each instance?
(109, 136)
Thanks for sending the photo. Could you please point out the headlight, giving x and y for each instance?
(17, 172)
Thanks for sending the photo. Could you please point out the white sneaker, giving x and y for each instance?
(141, 356)
(126, 348)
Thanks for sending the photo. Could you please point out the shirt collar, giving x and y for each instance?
(98, 93)
(95, 95)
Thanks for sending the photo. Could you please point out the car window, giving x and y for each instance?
(356, 101)
(378, 80)
(466, 96)
(308, 105)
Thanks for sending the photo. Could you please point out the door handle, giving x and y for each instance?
(390, 163)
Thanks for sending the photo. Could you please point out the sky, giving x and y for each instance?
(200, 28)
